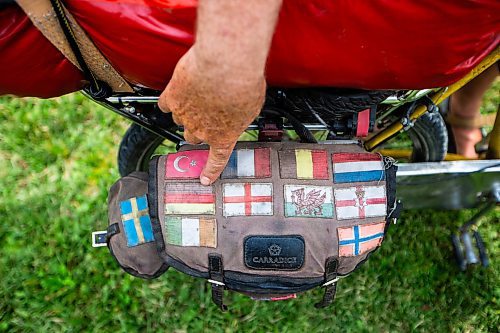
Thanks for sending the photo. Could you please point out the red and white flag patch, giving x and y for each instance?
(187, 164)
(360, 202)
(357, 167)
(246, 199)
(189, 198)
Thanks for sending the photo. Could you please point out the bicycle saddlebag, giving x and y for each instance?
(283, 217)
(129, 234)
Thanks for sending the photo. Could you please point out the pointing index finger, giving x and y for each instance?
(217, 160)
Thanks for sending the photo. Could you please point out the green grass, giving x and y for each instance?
(57, 160)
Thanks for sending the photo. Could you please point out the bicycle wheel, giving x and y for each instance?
(137, 147)
(426, 141)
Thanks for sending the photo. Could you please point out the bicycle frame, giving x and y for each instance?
(124, 105)
(437, 97)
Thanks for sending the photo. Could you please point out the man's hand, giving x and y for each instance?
(218, 86)
(213, 106)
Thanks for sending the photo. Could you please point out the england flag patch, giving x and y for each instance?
(360, 202)
(247, 199)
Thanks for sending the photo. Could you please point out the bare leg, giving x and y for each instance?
(465, 104)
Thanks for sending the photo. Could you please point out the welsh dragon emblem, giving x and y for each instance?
(309, 203)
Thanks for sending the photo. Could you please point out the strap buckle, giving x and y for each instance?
(99, 238)
(216, 282)
(331, 282)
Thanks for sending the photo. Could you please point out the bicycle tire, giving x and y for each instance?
(429, 137)
(136, 149)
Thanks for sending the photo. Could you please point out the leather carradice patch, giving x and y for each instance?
(274, 252)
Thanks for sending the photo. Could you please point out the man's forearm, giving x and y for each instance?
(236, 34)
(218, 86)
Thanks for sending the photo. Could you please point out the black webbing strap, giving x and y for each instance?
(216, 273)
(97, 89)
(331, 266)
(112, 230)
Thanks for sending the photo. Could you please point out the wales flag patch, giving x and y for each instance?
(308, 201)
(136, 222)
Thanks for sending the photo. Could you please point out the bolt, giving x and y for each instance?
(129, 109)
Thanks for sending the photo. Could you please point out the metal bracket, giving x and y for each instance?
(270, 130)
(468, 247)
(407, 123)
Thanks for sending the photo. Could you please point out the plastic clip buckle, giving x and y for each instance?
(99, 238)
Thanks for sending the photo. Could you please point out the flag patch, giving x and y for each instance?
(357, 167)
(308, 201)
(246, 199)
(189, 198)
(360, 239)
(183, 231)
(303, 164)
(187, 164)
(136, 222)
(360, 202)
(248, 163)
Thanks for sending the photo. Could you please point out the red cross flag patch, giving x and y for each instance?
(188, 164)
(360, 202)
(246, 199)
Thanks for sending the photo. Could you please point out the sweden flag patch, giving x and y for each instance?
(136, 222)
